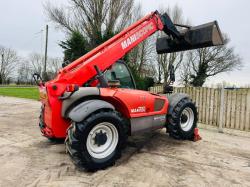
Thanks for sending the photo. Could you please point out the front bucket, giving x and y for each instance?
(206, 35)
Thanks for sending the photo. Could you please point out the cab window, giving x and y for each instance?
(119, 71)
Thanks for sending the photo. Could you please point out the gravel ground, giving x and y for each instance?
(28, 159)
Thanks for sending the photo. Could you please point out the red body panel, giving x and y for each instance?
(56, 126)
(138, 103)
(131, 103)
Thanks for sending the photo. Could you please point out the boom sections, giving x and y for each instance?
(82, 69)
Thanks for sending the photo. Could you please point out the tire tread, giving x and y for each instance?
(74, 141)
(173, 126)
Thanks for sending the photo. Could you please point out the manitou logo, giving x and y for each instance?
(139, 109)
(129, 41)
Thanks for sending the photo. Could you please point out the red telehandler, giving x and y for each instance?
(93, 103)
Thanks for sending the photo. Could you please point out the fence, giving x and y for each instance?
(219, 107)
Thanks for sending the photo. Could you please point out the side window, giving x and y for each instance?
(119, 71)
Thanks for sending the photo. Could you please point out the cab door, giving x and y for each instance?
(120, 71)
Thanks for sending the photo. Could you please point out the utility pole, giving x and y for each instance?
(46, 50)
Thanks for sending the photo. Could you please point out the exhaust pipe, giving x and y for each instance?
(206, 35)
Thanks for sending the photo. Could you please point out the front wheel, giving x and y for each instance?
(183, 120)
(96, 142)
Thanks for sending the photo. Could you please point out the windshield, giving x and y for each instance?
(119, 71)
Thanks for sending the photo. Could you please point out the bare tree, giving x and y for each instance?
(207, 62)
(36, 62)
(8, 60)
(95, 19)
(144, 60)
(24, 73)
(164, 60)
(54, 64)
(28, 66)
(141, 58)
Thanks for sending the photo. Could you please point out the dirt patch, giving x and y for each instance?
(28, 159)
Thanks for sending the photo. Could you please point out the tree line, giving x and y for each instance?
(19, 70)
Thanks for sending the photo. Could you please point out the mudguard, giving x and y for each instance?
(83, 110)
(77, 96)
(174, 100)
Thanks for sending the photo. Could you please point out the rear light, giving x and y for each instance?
(72, 88)
(42, 93)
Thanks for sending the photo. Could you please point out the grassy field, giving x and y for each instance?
(21, 92)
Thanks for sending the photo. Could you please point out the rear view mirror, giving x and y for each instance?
(206, 35)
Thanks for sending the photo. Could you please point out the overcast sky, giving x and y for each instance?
(21, 22)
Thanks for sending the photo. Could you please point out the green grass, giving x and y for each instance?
(21, 92)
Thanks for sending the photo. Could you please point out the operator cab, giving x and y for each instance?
(119, 72)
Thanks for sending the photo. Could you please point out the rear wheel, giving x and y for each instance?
(96, 142)
(183, 120)
(102, 140)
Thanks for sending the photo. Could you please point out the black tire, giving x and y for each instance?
(175, 120)
(76, 140)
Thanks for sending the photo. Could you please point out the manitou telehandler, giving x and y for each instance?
(93, 102)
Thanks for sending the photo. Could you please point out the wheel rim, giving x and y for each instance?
(187, 119)
(102, 140)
